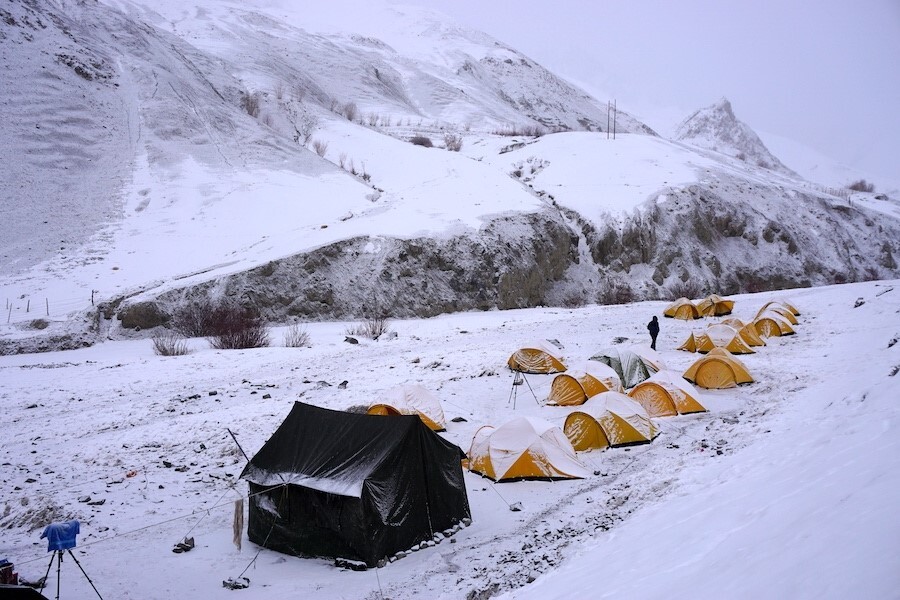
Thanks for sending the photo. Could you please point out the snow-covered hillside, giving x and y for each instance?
(251, 151)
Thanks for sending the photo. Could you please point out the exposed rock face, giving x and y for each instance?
(142, 315)
(735, 238)
(716, 128)
(513, 262)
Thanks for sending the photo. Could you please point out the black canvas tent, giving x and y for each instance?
(363, 487)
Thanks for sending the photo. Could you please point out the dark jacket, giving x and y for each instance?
(653, 327)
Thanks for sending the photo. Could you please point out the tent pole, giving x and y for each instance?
(238, 444)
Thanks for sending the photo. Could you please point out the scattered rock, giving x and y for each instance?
(515, 506)
(859, 302)
(343, 385)
(351, 340)
(458, 420)
(84, 498)
(266, 396)
(213, 393)
(485, 593)
(100, 502)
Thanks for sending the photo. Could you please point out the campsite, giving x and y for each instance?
(136, 446)
(446, 253)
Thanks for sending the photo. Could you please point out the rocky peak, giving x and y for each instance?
(716, 127)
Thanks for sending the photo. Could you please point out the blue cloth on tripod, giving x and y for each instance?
(61, 536)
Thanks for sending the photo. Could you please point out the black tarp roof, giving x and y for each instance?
(332, 483)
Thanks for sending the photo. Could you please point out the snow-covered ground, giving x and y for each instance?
(786, 487)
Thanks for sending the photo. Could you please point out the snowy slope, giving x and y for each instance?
(824, 170)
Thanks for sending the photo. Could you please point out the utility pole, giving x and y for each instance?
(607, 119)
(615, 114)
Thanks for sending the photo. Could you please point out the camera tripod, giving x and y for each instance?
(519, 379)
(58, 556)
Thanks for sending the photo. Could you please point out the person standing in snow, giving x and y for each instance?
(653, 328)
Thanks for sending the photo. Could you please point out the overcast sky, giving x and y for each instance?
(825, 73)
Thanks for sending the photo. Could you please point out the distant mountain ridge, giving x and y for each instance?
(716, 127)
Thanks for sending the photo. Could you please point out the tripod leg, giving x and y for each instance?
(47, 574)
(531, 390)
(59, 556)
(85, 575)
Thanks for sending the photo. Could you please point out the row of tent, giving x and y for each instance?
(532, 448)
(711, 306)
(772, 320)
(719, 368)
(618, 369)
(606, 417)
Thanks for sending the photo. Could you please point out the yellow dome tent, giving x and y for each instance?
(717, 335)
(715, 306)
(609, 419)
(747, 332)
(682, 309)
(411, 400)
(786, 314)
(575, 386)
(718, 370)
(524, 448)
(666, 394)
(690, 344)
(720, 335)
(771, 324)
(540, 357)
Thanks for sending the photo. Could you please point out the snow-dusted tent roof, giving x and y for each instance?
(717, 370)
(778, 309)
(747, 331)
(682, 309)
(715, 306)
(667, 394)
(338, 484)
(577, 385)
(609, 419)
(717, 335)
(524, 448)
(780, 303)
(631, 367)
(411, 400)
(539, 357)
(772, 324)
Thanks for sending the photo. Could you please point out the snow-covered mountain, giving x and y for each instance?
(715, 127)
(167, 152)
